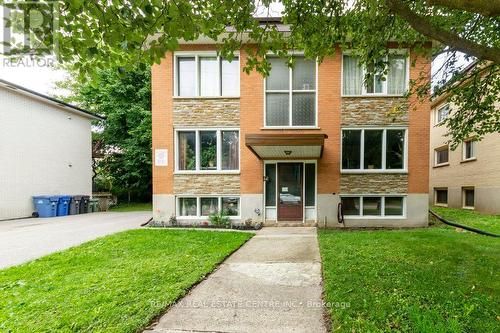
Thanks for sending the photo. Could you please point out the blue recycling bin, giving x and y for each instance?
(46, 206)
(63, 205)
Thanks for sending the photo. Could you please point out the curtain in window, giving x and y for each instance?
(396, 82)
(209, 76)
(187, 148)
(230, 77)
(230, 150)
(186, 80)
(353, 76)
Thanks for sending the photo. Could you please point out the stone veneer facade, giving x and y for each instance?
(376, 183)
(206, 184)
(203, 112)
(374, 111)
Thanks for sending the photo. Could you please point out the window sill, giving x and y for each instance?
(270, 128)
(354, 217)
(372, 95)
(441, 165)
(227, 172)
(468, 208)
(204, 97)
(441, 204)
(469, 160)
(373, 171)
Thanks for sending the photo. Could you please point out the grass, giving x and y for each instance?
(470, 218)
(113, 284)
(132, 207)
(425, 280)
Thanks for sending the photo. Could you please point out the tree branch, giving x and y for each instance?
(488, 8)
(424, 27)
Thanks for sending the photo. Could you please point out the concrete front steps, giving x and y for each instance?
(290, 224)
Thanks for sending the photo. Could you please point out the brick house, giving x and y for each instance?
(466, 177)
(287, 149)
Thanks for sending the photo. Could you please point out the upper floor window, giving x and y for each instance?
(441, 156)
(208, 150)
(373, 149)
(206, 75)
(291, 94)
(394, 83)
(442, 113)
(469, 150)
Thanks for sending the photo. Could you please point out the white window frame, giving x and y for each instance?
(438, 149)
(384, 83)
(436, 189)
(197, 131)
(197, 55)
(464, 189)
(384, 151)
(290, 98)
(464, 150)
(382, 206)
(198, 205)
(438, 110)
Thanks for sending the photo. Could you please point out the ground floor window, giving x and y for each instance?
(468, 197)
(204, 206)
(441, 196)
(373, 206)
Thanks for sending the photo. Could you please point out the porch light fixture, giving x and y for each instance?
(288, 152)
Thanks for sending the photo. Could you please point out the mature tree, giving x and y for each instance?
(103, 33)
(122, 143)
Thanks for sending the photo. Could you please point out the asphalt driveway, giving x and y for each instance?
(27, 239)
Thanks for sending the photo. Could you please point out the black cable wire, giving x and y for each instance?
(478, 231)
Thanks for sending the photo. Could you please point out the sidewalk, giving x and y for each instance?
(271, 284)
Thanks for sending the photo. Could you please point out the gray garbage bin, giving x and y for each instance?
(74, 205)
(84, 204)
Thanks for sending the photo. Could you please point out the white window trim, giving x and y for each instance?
(382, 207)
(465, 188)
(437, 122)
(384, 150)
(436, 150)
(198, 205)
(384, 83)
(197, 55)
(436, 203)
(197, 131)
(464, 150)
(290, 92)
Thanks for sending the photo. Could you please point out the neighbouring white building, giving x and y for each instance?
(45, 149)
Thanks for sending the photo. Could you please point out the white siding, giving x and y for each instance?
(38, 142)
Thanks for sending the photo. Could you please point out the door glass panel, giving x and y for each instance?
(271, 185)
(290, 189)
(310, 184)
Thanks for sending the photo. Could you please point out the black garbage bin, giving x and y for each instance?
(84, 204)
(74, 205)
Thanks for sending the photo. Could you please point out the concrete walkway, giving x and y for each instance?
(27, 239)
(271, 284)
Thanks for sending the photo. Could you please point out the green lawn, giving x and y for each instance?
(470, 218)
(114, 284)
(132, 207)
(421, 280)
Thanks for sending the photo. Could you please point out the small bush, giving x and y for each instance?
(220, 220)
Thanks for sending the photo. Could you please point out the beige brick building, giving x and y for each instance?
(468, 176)
(287, 149)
